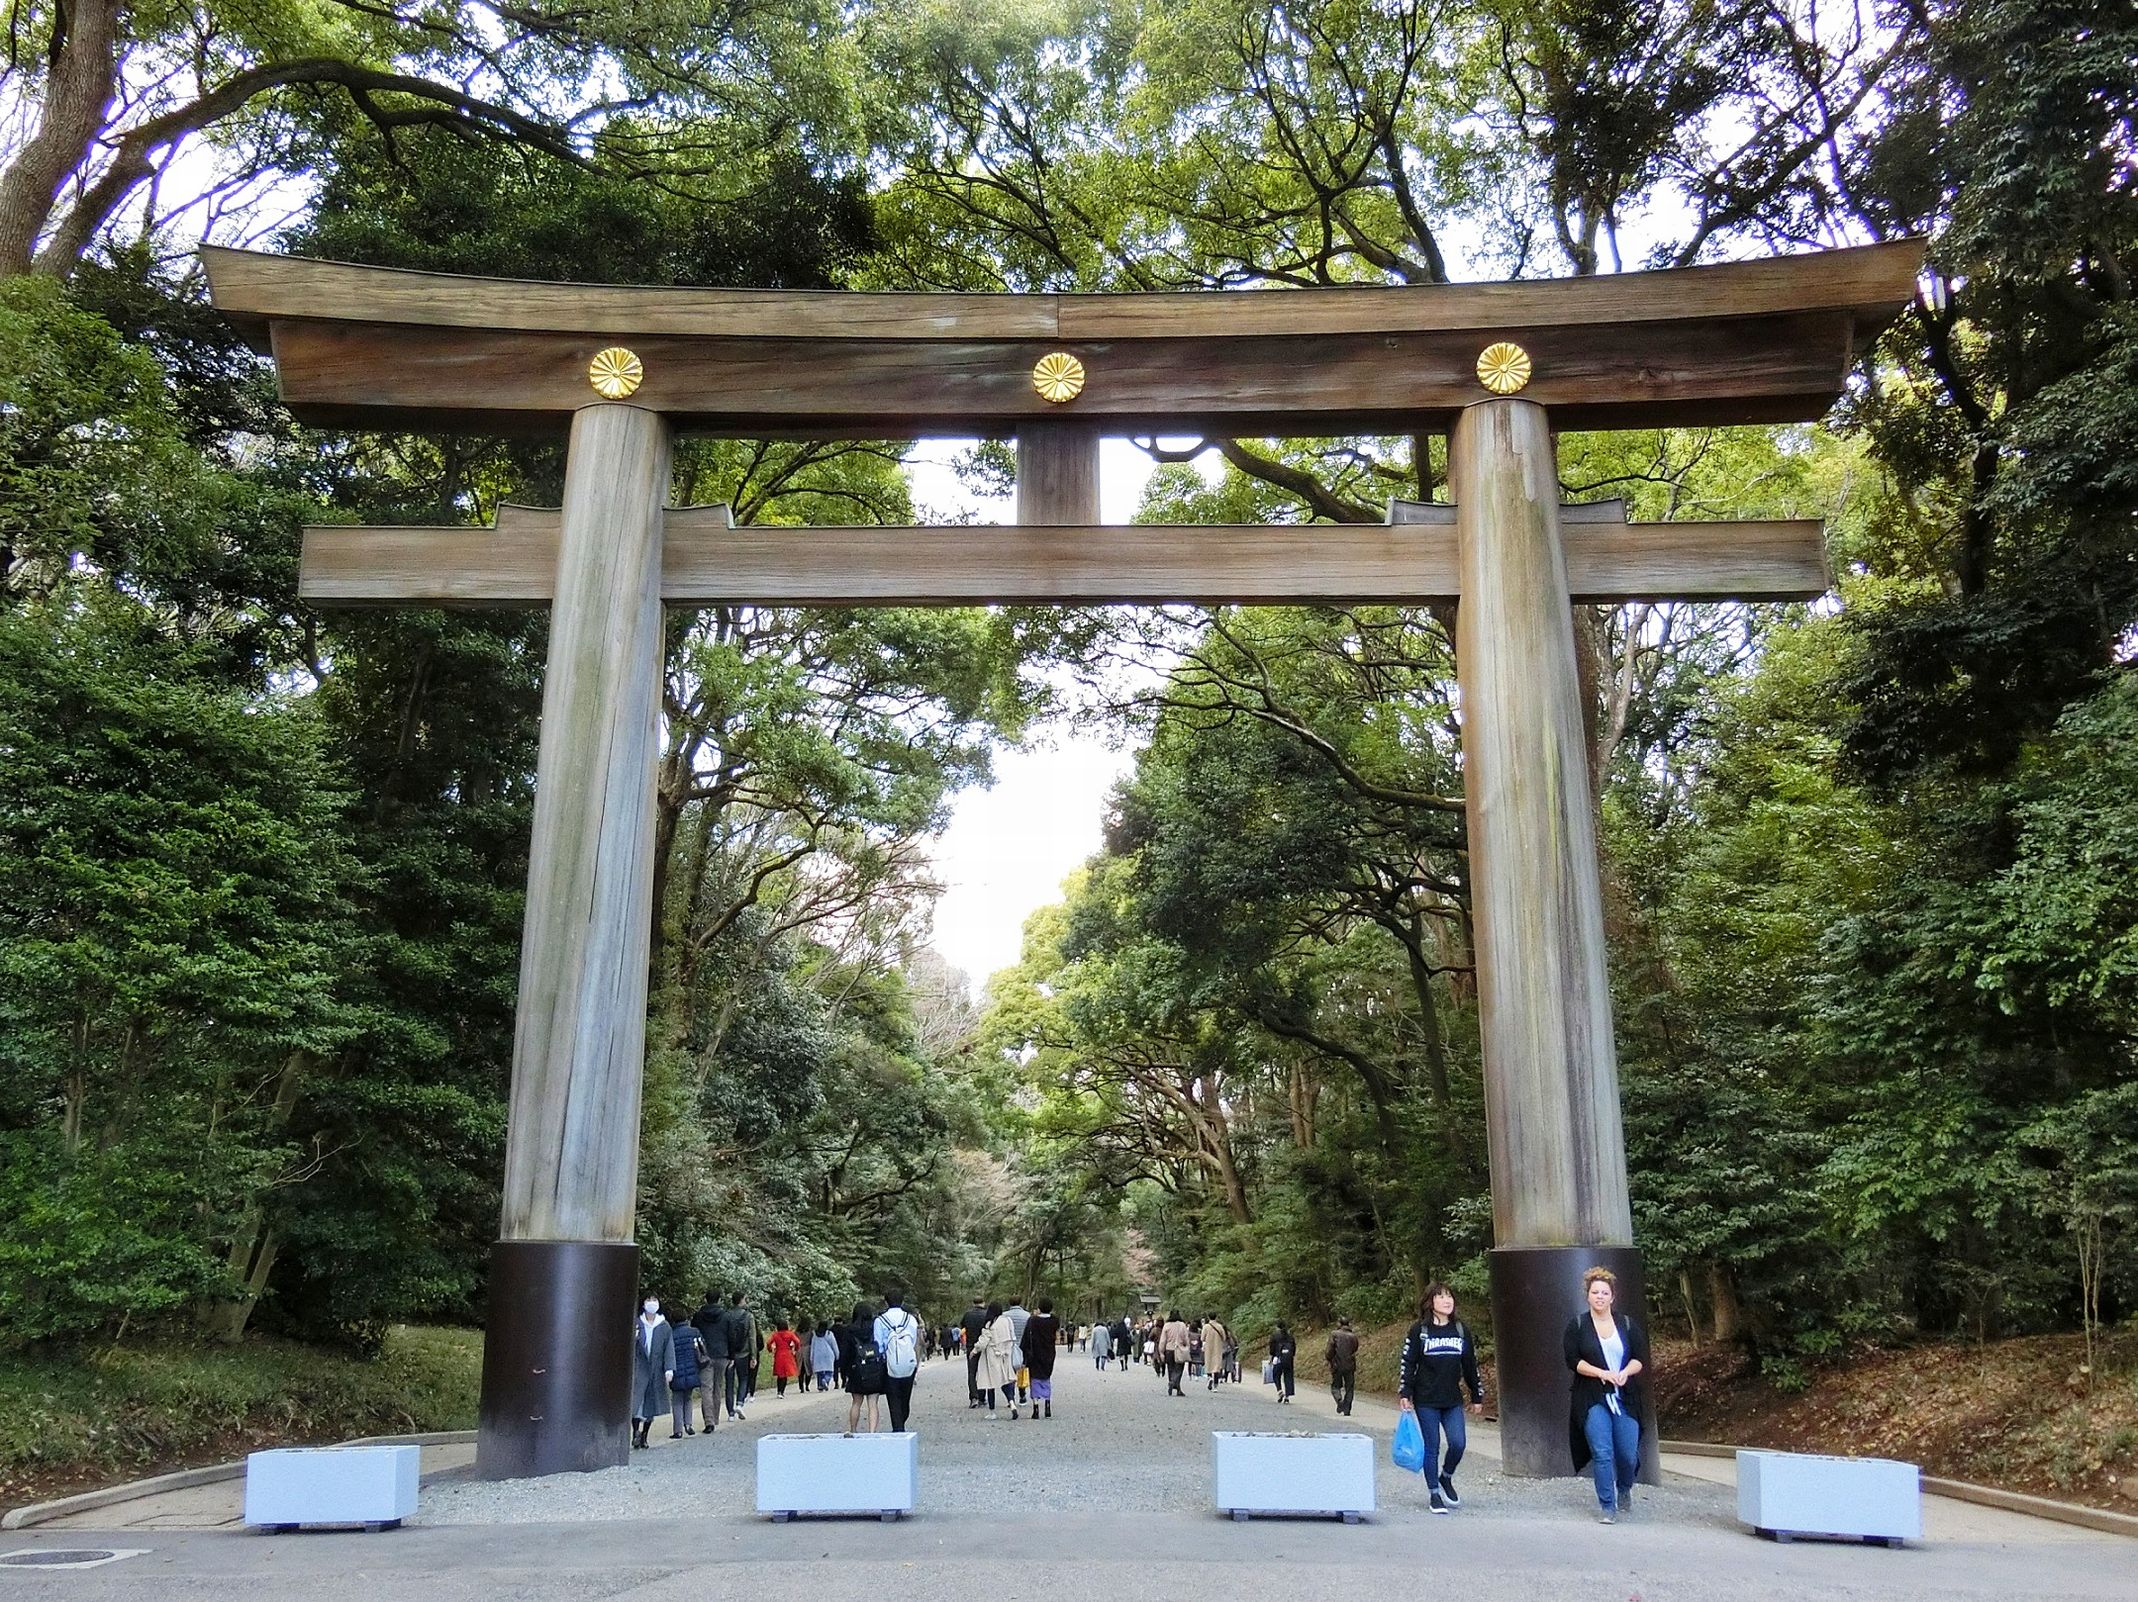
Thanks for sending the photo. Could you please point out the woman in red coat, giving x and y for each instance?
(785, 1345)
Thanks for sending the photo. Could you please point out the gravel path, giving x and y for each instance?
(1116, 1443)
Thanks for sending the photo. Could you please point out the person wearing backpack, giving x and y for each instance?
(1439, 1359)
(1342, 1356)
(1042, 1334)
(1283, 1352)
(897, 1336)
(742, 1348)
(711, 1323)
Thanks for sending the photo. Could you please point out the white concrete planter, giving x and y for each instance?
(369, 1485)
(1252, 1472)
(1788, 1494)
(838, 1474)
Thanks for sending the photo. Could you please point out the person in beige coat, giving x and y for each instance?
(1173, 1343)
(997, 1350)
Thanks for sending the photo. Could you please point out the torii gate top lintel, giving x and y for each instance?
(1744, 342)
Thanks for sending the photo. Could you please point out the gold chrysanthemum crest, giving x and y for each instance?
(1503, 368)
(1058, 377)
(615, 372)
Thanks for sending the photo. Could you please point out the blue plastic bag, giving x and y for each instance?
(1408, 1448)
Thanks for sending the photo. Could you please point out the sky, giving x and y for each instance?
(1008, 848)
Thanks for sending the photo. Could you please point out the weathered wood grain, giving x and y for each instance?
(1769, 368)
(1555, 1143)
(579, 1039)
(1057, 473)
(255, 288)
(706, 563)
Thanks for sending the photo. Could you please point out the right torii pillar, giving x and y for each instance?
(1553, 1131)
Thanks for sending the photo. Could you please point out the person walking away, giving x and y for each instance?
(1102, 1344)
(1124, 1339)
(970, 1325)
(996, 1355)
(830, 1326)
(742, 1353)
(710, 1321)
(1284, 1353)
(823, 1354)
(897, 1335)
(1195, 1348)
(1439, 1360)
(1173, 1347)
(1217, 1348)
(864, 1368)
(786, 1360)
(653, 1368)
(1042, 1337)
(687, 1346)
(1019, 1315)
(1608, 1353)
(1342, 1357)
(804, 1335)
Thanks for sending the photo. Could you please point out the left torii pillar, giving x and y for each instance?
(556, 1389)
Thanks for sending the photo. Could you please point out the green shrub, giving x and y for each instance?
(122, 1410)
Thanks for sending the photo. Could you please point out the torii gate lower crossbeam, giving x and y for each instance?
(1768, 342)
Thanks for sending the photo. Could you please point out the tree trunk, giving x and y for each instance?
(79, 86)
(1722, 1296)
(1692, 1311)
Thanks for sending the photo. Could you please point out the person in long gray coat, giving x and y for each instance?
(653, 1366)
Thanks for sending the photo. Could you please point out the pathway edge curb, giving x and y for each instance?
(35, 1513)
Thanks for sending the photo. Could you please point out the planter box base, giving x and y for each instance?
(1785, 1496)
(371, 1486)
(1300, 1475)
(876, 1476)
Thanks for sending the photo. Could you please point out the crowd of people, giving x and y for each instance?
(706, 1366)
(715, 1355)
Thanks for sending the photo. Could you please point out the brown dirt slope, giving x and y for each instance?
(2018, 1414)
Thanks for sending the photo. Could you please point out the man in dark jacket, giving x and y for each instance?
(743, 1346)
(970, 1325)
(710, 1321)
(1343, 1359)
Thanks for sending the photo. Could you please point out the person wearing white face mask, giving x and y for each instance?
(653, 1368)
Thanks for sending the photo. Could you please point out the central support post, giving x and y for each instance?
(564, 1275)
(1557, 1148)
(1057, 474)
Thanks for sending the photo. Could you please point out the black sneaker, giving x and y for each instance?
(1447, 1489)
(1438, 1503)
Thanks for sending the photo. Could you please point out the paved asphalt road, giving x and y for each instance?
(1111, 1497)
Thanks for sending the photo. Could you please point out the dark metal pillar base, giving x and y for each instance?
(557, 1358)
(1536, 1292)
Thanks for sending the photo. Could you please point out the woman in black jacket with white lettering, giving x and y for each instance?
(1608, 1353)
(1439, 1359)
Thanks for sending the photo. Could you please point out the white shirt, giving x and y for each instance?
(1614, 1354)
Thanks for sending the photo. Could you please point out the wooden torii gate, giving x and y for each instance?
(1498, 367)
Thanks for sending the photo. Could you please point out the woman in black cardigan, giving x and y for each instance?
(1608, 1353)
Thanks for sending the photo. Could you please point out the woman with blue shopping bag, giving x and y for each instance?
(1439, 1360)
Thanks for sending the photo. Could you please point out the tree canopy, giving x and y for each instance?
(1868, 862)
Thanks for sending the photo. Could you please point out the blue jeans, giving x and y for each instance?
(1614, 1443)
(1434, 1422)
